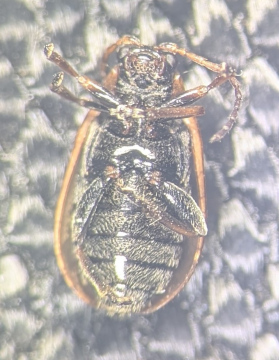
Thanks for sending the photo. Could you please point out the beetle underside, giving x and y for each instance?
(128, 232)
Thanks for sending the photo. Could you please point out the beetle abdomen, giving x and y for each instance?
(128, 257)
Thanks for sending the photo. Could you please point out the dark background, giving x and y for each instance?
(230, 308)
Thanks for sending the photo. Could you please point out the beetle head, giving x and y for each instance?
(146, 68)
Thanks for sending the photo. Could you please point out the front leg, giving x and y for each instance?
(104, 96)
(200, 60)
(195, 94)
(226, 73)
(58, 88)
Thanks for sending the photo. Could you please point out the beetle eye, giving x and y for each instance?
(171, 60)
(123, 51)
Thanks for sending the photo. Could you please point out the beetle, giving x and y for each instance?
(128, 231)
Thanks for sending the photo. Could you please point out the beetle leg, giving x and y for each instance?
(94, 87)
(199, 92)
(226, 73)
(184, 207)
(171, 206)
(200, 60)
(234, 114)
(59, 60)
(98, 91)
(57, 87)
(192, 95)
(173, 112)
(188, 97)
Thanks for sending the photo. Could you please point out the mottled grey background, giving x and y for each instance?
(230, 308)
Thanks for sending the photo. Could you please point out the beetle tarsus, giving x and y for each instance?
(234, 114)
(48, 49)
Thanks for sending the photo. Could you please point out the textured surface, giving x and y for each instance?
(230, 308)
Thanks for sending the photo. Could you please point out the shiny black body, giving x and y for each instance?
(128, 233)
(127, 252)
